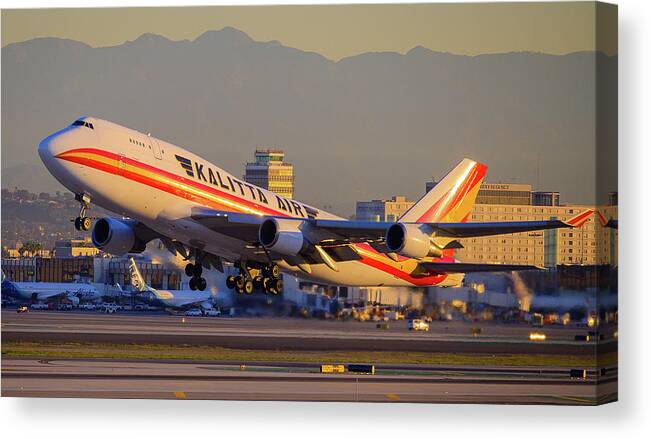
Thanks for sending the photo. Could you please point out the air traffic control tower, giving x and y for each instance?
(271, 172)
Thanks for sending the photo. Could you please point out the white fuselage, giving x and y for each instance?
(179, 299)
(43, 291)
(157, 183)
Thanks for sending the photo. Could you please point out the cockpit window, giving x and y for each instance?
(83, 124)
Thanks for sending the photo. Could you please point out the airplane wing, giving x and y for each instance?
(237, 225)
(463, 267)
(337, 232)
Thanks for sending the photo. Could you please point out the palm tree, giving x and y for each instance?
(31, 247)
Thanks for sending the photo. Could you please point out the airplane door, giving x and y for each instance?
(155, 147)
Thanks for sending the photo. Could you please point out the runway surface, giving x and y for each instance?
(183, 380)
(295, 334)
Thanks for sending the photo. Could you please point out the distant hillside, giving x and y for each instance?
(365, 127)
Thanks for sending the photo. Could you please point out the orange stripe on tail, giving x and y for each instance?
(452, 199)
(580, 219)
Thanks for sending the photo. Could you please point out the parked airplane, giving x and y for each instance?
(169, 299)
(48, 291)
(205, 213)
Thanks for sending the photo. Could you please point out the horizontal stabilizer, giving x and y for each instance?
(462, 267)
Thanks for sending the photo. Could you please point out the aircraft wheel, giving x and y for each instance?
(197, 270)
(258, 282)
(239, 290)
(266, 284)
(189, 270)
(230, 282)
(201, 284)
(78, 223)
(248, 287)
(239, 282)
(193, 284)
(275, 286)
(274, 271)
(85, 223)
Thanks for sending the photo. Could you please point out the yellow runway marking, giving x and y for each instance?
(180, 395)
(392, 396)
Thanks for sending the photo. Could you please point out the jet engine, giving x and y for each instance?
(411, 240)
(73, 299)
(117, 237)
(282, 236)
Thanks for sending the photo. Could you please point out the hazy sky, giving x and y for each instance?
(334, 31)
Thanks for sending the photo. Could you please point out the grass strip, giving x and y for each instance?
(215, 353)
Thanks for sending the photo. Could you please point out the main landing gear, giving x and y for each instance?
(265, 278)
(82, 222)
(194, 271)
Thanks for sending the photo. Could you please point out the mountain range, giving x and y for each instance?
(365, 127)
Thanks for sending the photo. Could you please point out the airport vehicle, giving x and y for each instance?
(208, 215)
(87, 306)
(417, 325)
(168, 299)
(537, 320)
(110, 308)
(22, 309)
(212, 312)
(39, 306)
(193, 312)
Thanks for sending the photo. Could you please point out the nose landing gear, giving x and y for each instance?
(265, 279)
(82, 222)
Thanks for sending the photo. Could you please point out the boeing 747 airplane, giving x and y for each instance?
(206, 214)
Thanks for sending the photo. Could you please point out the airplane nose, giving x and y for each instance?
(50, 147)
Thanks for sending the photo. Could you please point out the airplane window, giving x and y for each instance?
(83, 124)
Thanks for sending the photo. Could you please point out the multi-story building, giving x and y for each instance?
(271, 172)
(590, 244)
(157, 275)
(498, 193)
(72, 248)
(49, 269)
(382, 210)
(542, 198)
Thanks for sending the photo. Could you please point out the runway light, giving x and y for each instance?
(537, 336)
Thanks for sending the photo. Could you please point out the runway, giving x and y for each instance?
(183, 380)
(296, 334)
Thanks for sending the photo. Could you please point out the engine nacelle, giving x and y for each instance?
(410, 240)
(116, 237)
(282, 236)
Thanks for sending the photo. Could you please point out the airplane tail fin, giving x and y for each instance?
(451, 200)
(137, 281)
